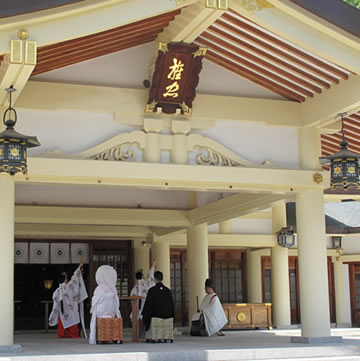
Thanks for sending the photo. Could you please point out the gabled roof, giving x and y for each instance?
(249, 50)
(74, 51)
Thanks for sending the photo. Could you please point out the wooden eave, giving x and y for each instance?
(245, 48)
(74, 51)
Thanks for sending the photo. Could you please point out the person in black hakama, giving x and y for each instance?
(159, 302)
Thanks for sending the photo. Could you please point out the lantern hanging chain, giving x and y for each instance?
(342, 128)
(10, 109)
(342, 115)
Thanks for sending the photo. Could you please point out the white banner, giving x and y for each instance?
(21, 254)
(79, 250)
(60, 253)
(39, 253)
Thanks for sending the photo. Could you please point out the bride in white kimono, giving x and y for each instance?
(105, 302)
(211, 308)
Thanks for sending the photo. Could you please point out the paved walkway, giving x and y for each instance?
(236, 345)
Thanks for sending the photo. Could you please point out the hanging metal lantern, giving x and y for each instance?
(13, 145)
(344, 165)
(286, 237)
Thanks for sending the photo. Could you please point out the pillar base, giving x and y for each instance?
(316, 340)
(10, 349)
(343, 325)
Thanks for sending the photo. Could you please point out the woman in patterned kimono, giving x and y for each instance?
(105, 302)
(68, 305)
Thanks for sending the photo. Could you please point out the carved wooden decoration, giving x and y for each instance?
(175, 78)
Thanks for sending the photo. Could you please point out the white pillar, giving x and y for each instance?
(141, 257)
(179, 153)
(341, 320)
(197, 263)
(312, 258)
(161, 251)
(280, 290)
(309, 148)
(254, 281)
(7, 215)
(225, 227)
(152, 151)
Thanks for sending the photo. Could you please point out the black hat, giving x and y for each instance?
(209, 283)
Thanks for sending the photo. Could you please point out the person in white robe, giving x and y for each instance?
(141, 289)
(212, 310)
(105, 302)
(68, 305)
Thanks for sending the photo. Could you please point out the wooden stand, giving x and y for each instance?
(134, 311)
(46, 314)
(248, 315)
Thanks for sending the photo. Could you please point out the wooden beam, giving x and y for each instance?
(57, 24)
(169, 176)
(248, 50)
(78, 231)
(233, 206)
(193, 21)
(323, 108)
(127, 105)
(100, 216)
(306, 31)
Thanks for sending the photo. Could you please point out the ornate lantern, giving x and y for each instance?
(337, 242)
(344, 165)
(13, 145)
(286, 237)
(48, 284)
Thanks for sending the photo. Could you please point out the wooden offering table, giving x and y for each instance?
(46, 314)
(248, 315)
(134, 311)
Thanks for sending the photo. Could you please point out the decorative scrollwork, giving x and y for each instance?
(122, 152)
(208, 156)
(253, 5)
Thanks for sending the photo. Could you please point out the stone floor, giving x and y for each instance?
(236, 345)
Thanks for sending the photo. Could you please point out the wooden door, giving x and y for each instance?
(227, 269)
(178, 285)
(294, 290)
(266, 279)
(293, 286)
(354, 278)
(118, 255)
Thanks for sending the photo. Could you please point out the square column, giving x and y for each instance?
(254, 282)
(152, 151)
(7, 220)
(312, 258)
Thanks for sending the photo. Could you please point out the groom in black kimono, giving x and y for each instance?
(159, 302)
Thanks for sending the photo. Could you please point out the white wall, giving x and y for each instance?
(257, 142)
(69, 132)
(351, 244)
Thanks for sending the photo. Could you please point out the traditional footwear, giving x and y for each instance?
(219, 333)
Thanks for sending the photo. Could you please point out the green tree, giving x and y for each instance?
(355, 3)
